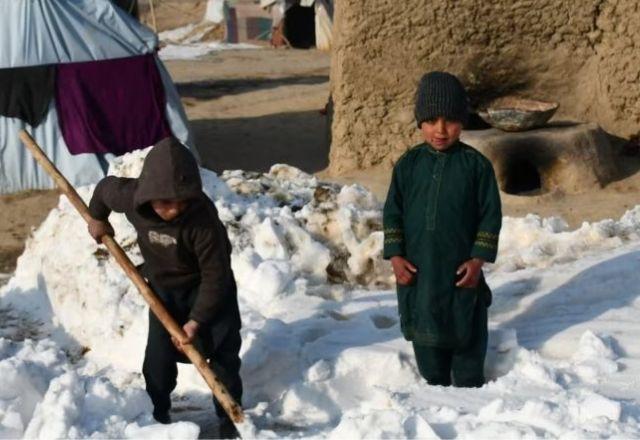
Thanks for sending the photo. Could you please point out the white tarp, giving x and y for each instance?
(323, 17)
(36, 32)
(215, 11)
(39, 32)
(324, 24)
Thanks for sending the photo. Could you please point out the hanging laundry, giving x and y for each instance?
(111, 106)
(25, 93)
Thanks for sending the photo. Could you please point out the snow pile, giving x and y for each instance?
(290, 233)
(595, 358)
(309, 232)
(322, 350)
(534, 241)
(44, 395)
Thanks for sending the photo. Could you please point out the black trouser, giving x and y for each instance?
(218, 342)
(466, 365)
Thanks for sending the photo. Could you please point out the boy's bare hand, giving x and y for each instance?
(98, 228)
(190, 330)
(470, 271)
(403, 270)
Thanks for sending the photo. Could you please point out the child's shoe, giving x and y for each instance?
(163, 417)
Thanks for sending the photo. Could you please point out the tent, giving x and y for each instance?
(131, 6)
(302, 23)
(244, 20)
(83, 77)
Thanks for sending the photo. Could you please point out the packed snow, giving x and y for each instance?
(192, 51)
(322, 350)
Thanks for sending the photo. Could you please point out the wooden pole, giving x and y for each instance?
(219, 390)
(153, 17)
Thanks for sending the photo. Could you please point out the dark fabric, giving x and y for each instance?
(169, 172)
(299, 26)
(111, 106)
(219, 343)
(442, 209)
(26, 92)
(441, 94)
(191, 250)
(466, 365)
(129, 6)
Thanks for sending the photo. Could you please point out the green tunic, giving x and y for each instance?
(442, 209)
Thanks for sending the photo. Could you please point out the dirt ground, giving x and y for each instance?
(19, 214)
(253, 108)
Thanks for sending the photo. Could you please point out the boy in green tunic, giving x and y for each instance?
(442, 218)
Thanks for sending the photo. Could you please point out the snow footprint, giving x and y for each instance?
(383, 322)
(311, 335)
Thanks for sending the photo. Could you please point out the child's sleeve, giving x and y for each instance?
(111, 194)
(212, 249)
(392, 217)
(490, 216)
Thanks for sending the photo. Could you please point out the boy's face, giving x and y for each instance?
(169, 209)
(441, 133)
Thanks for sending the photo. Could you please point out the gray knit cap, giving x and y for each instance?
(441, 94)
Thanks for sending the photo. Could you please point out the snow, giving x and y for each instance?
(193, 40)
(322, 350)
(44, 394)
(191, 51)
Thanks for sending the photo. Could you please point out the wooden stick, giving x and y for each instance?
(219, 390)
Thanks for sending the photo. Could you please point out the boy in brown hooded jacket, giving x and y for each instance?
(187, 262)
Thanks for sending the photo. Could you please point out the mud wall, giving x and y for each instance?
(584, 54)
(171, 14)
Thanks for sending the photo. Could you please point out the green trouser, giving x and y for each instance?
(466, 365)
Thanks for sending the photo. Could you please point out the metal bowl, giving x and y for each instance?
(518, 114)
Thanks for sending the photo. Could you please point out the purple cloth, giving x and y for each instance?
(111, 106)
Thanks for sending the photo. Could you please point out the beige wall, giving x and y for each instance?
(171, 14)
(583, 53)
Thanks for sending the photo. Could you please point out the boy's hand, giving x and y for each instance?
(190, 329)
(470, 271)
(99, 228)
(403, 270)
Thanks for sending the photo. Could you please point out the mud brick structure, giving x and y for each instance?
(585, 54)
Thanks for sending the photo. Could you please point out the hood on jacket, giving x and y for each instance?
(170, 171)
